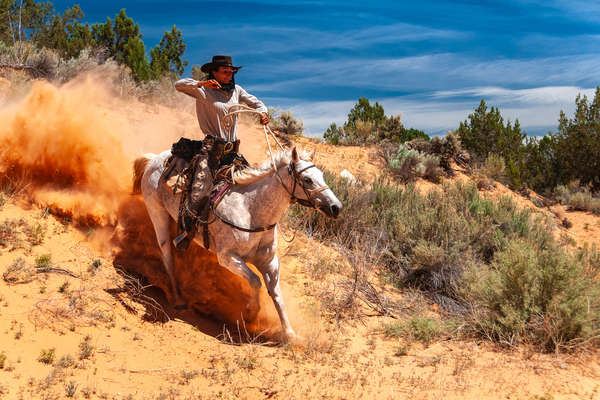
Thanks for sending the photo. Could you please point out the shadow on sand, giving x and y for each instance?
(219, 303)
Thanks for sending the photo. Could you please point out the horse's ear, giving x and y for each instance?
(311, 155)
(294, 155)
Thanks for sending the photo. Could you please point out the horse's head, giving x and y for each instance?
(310, 189)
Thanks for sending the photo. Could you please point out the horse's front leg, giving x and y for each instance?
(236, 264)
(270, 273)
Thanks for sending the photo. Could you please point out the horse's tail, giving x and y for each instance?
(139, 166)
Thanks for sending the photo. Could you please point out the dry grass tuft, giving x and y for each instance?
(47, 356)
(19, 272)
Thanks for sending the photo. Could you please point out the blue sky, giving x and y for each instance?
(430, 60)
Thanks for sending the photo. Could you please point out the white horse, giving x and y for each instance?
(244, 228)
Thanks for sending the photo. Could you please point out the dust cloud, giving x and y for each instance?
(70, 148)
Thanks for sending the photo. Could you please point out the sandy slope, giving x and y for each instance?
(191, 356)
(113, 340)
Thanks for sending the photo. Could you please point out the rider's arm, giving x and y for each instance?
(190, 87)
(252, 101)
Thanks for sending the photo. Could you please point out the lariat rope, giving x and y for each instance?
(228, 123)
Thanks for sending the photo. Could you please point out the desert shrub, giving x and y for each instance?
(88, 60)
(407, 163)
(18, 272)
(66, 361)
(562, 194)
(8, 232)
(541, 296)
(584, 201)
(425, 240)
(286, 123)
(2, 360)
(495, 264)
(44, 261)
(25, 56)
(432, 170)
(494, 167)
(577, 198)
(36, 233)
(46, 356)
(71, 388)
(415, 328)
(447, 148)
(85, 348)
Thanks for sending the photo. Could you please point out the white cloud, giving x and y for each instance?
(537, 109)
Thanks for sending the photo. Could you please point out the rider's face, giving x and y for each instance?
(223, 74)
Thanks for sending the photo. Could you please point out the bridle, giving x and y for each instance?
(309, 202)
(297, 181)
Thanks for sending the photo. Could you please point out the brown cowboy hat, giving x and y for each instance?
(219, 61)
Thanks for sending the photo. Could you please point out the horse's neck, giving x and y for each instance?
(271, 199)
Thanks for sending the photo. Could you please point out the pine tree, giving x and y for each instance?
(577, 143)
(364, 111)
(104, 36)
(31, 16)
(135, 57)
(166, 56)
(79, 37)
(125, 28)
(485, 133)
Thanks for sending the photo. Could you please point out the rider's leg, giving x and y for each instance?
(197, 201)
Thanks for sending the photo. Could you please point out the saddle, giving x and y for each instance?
(180, 169)
(181, 165)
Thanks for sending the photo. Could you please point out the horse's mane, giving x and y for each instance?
(252, 174)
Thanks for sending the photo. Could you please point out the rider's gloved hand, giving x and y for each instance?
(264, 118)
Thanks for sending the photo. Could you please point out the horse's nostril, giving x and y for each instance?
(335, 210)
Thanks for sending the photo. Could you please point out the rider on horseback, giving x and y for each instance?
(214, 97)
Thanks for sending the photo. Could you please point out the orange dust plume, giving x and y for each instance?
(71, 148)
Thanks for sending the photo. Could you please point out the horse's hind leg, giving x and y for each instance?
(270, 273)
(161, 220)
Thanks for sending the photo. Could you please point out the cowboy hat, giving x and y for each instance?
(219, 61)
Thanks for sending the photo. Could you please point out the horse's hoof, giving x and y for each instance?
(180, 307)
(289, 337)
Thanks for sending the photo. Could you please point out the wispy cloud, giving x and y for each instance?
(434, 72)
(253, 39)
(550, 95)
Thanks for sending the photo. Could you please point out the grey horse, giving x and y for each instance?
(258, 199)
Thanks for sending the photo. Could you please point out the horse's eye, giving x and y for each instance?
(308, 181)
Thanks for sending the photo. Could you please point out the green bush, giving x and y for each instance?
(541, 296)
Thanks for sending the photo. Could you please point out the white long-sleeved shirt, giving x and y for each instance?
(212, 105)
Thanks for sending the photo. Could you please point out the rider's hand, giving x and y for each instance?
(264, 118)
(213, 84)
